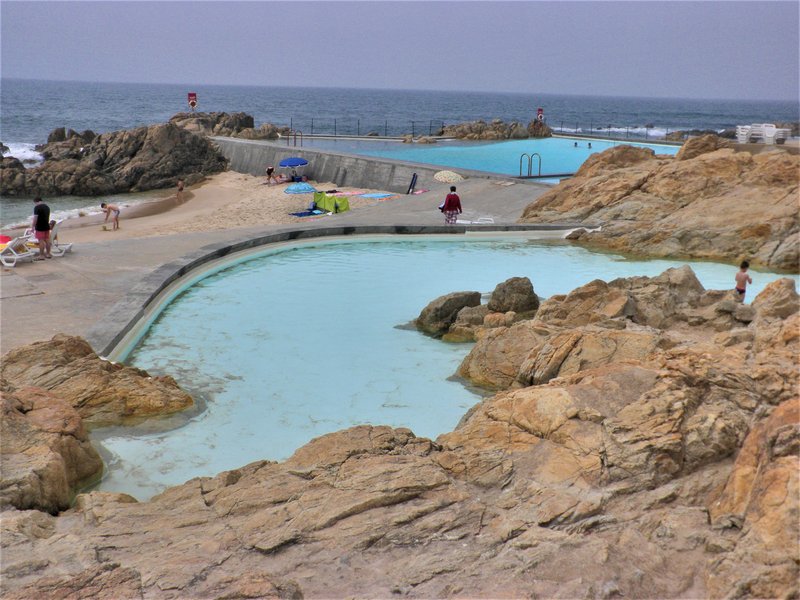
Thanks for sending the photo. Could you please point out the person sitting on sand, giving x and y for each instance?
(742, 279)
(112, 210)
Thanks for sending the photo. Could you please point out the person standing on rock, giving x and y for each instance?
(742, 279)
(111, 209)
(451, 207)
(40, 223)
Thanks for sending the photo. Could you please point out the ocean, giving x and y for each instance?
(30, 110)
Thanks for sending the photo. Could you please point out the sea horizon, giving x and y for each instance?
(796, 100)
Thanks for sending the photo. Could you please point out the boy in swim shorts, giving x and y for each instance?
(742, 279)
(111, 210)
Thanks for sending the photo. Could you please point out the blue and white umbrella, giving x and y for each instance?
(293, 162)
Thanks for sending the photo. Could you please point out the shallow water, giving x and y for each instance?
(304, 341)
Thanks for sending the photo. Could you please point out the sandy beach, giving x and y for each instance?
(223, 201)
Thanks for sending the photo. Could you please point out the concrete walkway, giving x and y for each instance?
(93, 291)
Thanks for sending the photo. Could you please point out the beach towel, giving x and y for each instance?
(377, 195)
(299, 188)
(418, 192)
(350, 193)
(307, 213)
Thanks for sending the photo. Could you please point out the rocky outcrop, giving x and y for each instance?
(213, 123)
(496, 130)
(652, 452)
(102, 392)
(705, 203)
(439, 315)
(45, 453)
(135, 160)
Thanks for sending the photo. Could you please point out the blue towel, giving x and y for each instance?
(377, 195)
(299, 188)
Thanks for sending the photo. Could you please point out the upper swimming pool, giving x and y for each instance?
(307, 338)
(559, 155)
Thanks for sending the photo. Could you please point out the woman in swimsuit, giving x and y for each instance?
(111, 209)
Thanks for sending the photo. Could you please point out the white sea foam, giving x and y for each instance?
(24, 152)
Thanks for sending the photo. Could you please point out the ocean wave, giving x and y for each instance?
(24, 152)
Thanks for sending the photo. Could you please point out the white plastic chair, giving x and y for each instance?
(17, 250)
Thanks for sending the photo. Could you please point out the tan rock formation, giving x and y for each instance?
(102, 392)
(720, 204)
(598, 483)
(45, 454)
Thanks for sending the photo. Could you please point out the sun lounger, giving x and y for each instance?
(17, 250)
(743, 134)
(57, 248)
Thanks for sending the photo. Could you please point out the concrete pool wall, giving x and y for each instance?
(253, 156)
(145, 297)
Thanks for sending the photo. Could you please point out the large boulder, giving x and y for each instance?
(701, 145)
(515, 294)
(701, 205)
(437, 317)
(45, 454)
(134, 160)
(102, 392)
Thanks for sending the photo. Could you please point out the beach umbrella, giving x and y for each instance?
(293, 162)
(448, 177)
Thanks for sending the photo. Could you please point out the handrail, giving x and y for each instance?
(293, 135)
(530, 163)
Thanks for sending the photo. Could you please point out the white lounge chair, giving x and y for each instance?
(57, 248)
(743, 134)
(770, 131)
(757, 131)
(781, 135)
(17, 250)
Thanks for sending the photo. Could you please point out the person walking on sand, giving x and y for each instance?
(112, 210)
(179, 195)
(40, 223)
(451, 206)
(742, 279)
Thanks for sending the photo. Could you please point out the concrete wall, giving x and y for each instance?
(253, 156)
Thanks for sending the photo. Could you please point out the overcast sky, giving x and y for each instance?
(739, 50)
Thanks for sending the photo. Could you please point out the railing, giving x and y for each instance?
(530, 163)
(368, 127)
(292, 137)
(357, 127)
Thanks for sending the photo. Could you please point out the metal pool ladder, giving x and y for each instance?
(530, 163)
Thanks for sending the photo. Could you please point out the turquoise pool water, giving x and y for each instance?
(559, 155)
(305, 340)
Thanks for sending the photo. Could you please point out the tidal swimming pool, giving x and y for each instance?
(308, 339)
(558, 154)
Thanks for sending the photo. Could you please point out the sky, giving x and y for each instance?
(737, 50)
